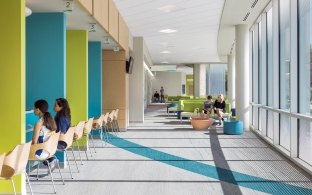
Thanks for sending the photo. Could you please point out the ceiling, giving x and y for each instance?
(77, 19)
(233, 14)
(196, 23)
(205, 28)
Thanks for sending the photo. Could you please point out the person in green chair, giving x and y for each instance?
(219, 107)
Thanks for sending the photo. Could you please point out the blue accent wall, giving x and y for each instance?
(45, 58)
(95, 79)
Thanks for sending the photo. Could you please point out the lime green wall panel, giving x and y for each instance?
(12, 81)
(77, 74)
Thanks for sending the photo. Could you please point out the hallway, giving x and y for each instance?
(161, 156)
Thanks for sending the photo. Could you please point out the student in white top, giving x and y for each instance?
(44, 127)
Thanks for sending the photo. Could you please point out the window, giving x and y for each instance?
(284, 76)
(305, 78)
(270, 71)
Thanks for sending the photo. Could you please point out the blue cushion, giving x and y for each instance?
(233, 127)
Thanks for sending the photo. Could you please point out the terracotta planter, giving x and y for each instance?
(201, 123)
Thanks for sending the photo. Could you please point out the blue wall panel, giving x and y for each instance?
(95, 79)
(45, 57)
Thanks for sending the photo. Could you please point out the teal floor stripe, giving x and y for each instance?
(241, 179)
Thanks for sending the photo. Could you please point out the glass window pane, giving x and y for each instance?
(305, 40)
(255, 70)
(305, 79)
(284, 33)
(215, 79)
(305, 143)
(270, 124)
(285, 131)
(270, 57)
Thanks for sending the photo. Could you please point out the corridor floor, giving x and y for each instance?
(164, 157)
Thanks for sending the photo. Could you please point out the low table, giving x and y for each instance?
(201, 123)
(233, 127)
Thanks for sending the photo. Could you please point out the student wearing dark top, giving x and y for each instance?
(219, 107)
(62, 117)
(156, 97)
(62, 120)
(208, 105)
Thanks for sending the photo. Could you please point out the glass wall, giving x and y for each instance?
(305, 78)
(269, 86)
(216, 79)
(288, 97)
(284, 71)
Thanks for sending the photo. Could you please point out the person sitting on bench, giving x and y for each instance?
(156, 97)
(208, 105)
(219, 107)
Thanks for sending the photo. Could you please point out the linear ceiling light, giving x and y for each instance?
(165, 52)
(168, 30)
(170, 8)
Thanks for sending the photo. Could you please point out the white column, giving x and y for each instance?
(199, 80)
(136, 85)
(231, 80)
(242, 73)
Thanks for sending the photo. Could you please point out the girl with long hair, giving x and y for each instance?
(44, 127)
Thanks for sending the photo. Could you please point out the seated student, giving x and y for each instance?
(208, 105)
(43, 128)
(156, 97)
(219, 107)
(62, 118)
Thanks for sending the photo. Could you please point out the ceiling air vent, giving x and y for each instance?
(254, 3)
(245, 18)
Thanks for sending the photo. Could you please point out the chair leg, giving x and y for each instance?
(86, 152)
(79, 152)
(93, 143)
(75, 158)
(13, 186)
(117, 127)
(58, 166)
(71, 174)
(51, 177)
(38, 169)
(114, 127)
(102, 136)
(31, 192)
(106, 134)
(90, 145)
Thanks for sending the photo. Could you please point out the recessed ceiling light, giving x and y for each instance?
(164, 62)
(165, 52)
(28, 11)
(170, 8)
(168, 30)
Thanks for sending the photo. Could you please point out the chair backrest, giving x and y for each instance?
(116, 114)
(111, 116)
(105, 119)
(79, 129)
(15, 162)
(1, 161)
(68, 137)
(88, 126)
(49, 146)
(97, 123)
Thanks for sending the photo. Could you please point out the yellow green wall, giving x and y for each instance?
(77, 74)
(189, 85)
(12, 81)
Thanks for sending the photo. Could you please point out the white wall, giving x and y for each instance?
(136, 83)
(171, 81)
(139, 81)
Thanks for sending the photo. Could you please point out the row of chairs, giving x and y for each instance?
(15, 162)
